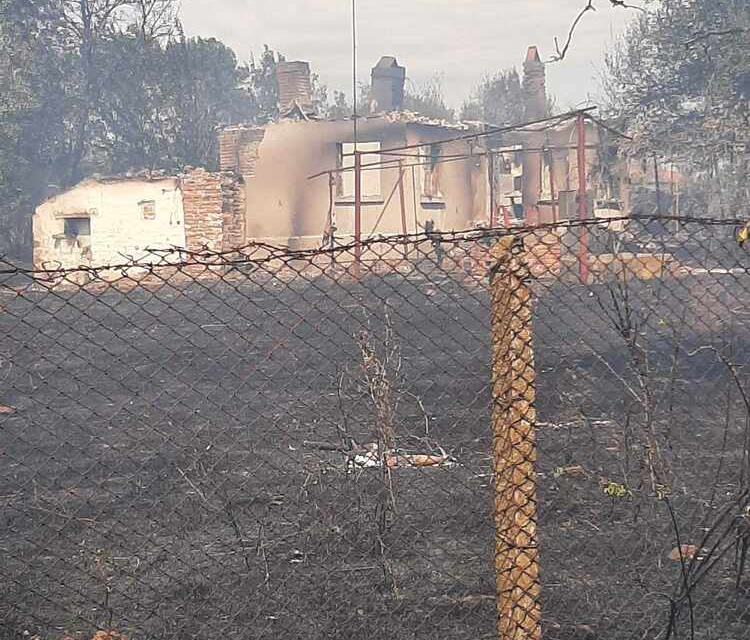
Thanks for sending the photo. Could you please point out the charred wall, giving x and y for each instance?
(283, 204)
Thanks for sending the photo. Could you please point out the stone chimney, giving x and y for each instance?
(295, 87)
(388, 80)
(534, 86)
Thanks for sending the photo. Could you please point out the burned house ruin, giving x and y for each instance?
(291, 182)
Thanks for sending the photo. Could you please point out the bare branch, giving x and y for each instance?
(561, 53)
(624, 5)
(705, 35)
(156, 18)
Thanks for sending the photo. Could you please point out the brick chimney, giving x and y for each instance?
(295, 87)
(535, 108)
(534, 86)
(388, 80)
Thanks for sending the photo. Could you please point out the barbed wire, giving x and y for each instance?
(248, 253)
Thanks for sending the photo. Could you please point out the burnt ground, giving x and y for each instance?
(157, 476)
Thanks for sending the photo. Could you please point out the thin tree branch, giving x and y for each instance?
(624, 5)
(561, 53)
(688, 591)
(705, 35)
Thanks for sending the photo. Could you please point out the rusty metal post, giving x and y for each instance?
(414, 197)
(514, 445)
(583, 202)
(357, 213)
(672, 207)
(677, 205)
(491, 181)
(402, 198)
(658, 187)
(552, 192)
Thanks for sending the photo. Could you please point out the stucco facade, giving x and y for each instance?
(101, 222)
(104, 221)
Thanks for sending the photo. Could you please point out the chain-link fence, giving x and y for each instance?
(473, 435)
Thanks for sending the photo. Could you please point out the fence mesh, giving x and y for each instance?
(536, 433)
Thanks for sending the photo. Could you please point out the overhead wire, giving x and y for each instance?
(393, 162)
(521, 127)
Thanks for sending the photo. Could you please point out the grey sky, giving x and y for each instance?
(463, 39)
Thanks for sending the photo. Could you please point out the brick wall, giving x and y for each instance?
(203, 209)
(228, 140)
(214, 210)
(293, 78)
(239, 148)
(233, 211)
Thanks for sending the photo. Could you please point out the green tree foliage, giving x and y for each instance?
(679, 80)
(205, 90)
(262, 86)
(109, 86)
(34, 116)
(429, 100)
(497, 99)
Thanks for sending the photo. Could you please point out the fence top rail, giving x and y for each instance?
(257, 252)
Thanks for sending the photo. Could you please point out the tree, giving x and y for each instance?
(205, 89)
(33, 116)
(590, 5)
(497, 99)
(106, 86)
(339, 109)
(155, 19)
(429, 100)
(262, 86)
(678, 80)
(134, 121)
(85, 26)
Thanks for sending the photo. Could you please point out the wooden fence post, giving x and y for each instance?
(514, 446)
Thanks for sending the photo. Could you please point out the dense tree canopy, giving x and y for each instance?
(108, 86)
(429, 100)
(679, 80)
(34, 115)
(497, 99)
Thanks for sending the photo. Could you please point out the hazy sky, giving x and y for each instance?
(462, 39)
